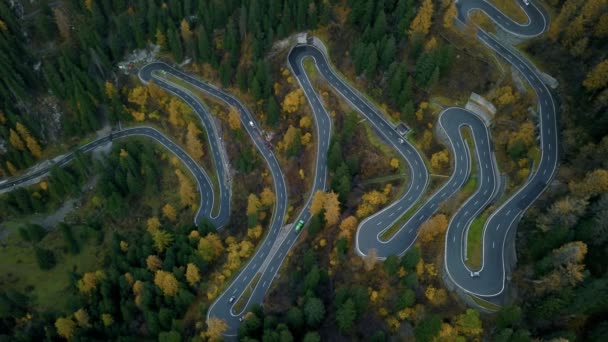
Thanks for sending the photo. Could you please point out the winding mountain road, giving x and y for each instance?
(202, 179)
(255, 278)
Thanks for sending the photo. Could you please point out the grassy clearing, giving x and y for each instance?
(310, 69)
(384, 179)
(240, 304)
(485, 304)
(474, 241)
(19, 269)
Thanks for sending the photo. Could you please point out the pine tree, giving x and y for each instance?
(272, 111)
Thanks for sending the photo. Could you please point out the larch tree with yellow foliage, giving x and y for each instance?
(394, 163)
(167, 282)
(32, 144)
(450, 15)
(332, 208)
(193, 275)
(305, 122)
(423, 20)
(234, 119)
(169, 212)
(153, 224)
(153, 263)
(597, 78)
(267, 197)
(210, 247)
(253, 204)
(348, 226)
(293, 100)
(440, 160)
(187, 194)
(432, 228)
(65, 327)
(89, 282)
(215, 329)
(15, 140)
(193, 142)
(318, 202)
(162, 240)
(82, 318)
(138, 96)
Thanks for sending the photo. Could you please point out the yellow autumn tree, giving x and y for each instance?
(153, 224)
(318, 202)
(169, 212)
(32, 144)
(595, 182)
(394, 163)
(267, 197)
(431, 44)
(293, 100)
(370, 201)
(110, 90)
(11, 168)
(138, 96)
(193, 275)
(597, 78)
(433, 227)
(167, 282)
(185, 32)
(234, 119)
(176, 110)
(15, 140)
(255, 232)
(423, 20)
(215, 329)
(153, 263)
(253, 204)
(306, 139)
(187, 194)
(450, 15)
(65, 327)
(439, 160)
(435, 296)
(89, 281)
(162, 240)
(124, 246)
(82, 318)
(348, 226)
(332, 208)
(305, 122)
(193, 142)
(370, 260)
(210, 247)
(156, 92)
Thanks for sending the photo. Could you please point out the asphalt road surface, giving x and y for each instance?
(488, 281)
(492, 275)
(203, 184)
(221, 218)
(222, 307)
